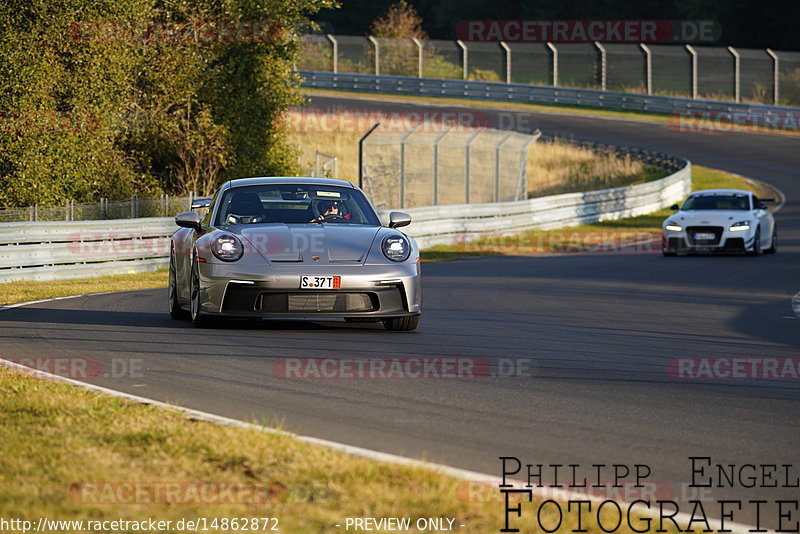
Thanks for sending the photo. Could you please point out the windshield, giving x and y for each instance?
(717, 202)
(294, 204)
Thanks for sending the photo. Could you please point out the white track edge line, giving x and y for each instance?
(455, 472)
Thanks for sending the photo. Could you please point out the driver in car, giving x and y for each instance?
(327, 208)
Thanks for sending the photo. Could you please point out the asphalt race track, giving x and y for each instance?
(598, 331)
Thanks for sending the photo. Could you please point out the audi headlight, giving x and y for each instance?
(740, 226)
(227, 247)
(672, 227)
(396, 247)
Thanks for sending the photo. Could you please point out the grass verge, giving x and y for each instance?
(22, 291)
(72, 454)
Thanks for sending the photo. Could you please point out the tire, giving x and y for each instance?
(175, 310)
(402, 324)
(756, 245)
(194, 294)
(773, 246)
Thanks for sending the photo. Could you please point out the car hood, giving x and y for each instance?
(311, 243)
(710, 217)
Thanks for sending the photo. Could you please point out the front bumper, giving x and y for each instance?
(724, 241)
(379, 291)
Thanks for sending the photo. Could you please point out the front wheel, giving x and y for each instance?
(402, 324)
(175, 310)
(756, 245)
(194, 292)
(773, 246)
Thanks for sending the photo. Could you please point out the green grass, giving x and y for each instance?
(22, 291)
(71, 454)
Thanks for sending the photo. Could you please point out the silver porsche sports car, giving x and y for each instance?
(294, 248)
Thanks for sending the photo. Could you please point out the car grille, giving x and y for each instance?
(315, 302)
(692, 230)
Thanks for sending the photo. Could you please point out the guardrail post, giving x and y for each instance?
(377, 54)
(693, 53)
(507, 62)
(736, 74)
(648, 67)
(775, 73)
(334, 51)
(464, 59)
(419, 56)
(554, 57)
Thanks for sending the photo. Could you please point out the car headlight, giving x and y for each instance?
(227, 247)
(740, 226)
(672, 227)
(396, 247)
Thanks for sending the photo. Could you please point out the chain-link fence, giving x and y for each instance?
(719, 73)
(135, 207)
(431, 166)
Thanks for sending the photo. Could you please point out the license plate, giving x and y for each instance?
(703, 236)
(320, 282)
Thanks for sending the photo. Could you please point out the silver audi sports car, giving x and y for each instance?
(294, 248)
(720, 220)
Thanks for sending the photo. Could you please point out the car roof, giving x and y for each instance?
(722, 192)
(300, 180)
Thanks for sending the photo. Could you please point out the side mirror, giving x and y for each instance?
(188, 219)
(398, 219)
(767, 200)
(199, 203)
(674, 207)
(761, 206)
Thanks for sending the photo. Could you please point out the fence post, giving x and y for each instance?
(436, 165)
(377, 54)
(335, 51)
(419, 56)
(507, 62)
(464, 59)
(497, 149)
(103, 208)
(737, 95)
(554, 50)
(361, 154)
(775, 78)
(602, 50)
(648, 67)
(693, 53)
(191, 200)
(134, 207)
(403, 166)
(467, 169)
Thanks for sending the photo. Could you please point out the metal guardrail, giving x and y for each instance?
(537, 94)
(62, 250)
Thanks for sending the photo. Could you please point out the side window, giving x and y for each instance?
(756, 202)
(207, 216)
